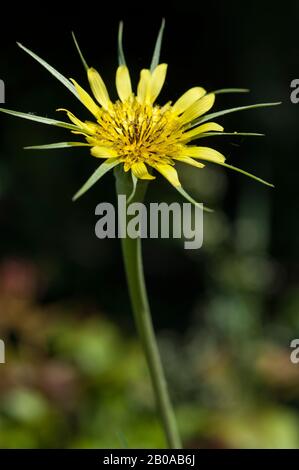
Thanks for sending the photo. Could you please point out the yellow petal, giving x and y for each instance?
(140, 171)
(93, 141)
(87, 100)
(197, 131)
(189, 161)
(143, 89)
(157, 81)
(98, 87)
(88, 127)
(92, 126)
(198, 108)
(169, 172)
(72, 117)
(81, 125)
(103, 152)
(123, 83)
(188, 98)
(203, 153)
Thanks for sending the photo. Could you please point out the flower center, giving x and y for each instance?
(140, 132)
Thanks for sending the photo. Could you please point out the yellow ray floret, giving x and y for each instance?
(188, 98)
(98, 88)
(123, 83)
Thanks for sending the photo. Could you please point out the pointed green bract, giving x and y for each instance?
(230, 90)
(57, 145)
(239, 170)
(213, 134)
(79, 51)
(42, 120)
(65, 81)
(157, 50)
(210, 116)
(120, 51)
(134, 181)
(100, 171)
(187, 196)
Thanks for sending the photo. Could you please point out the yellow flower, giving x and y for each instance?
(137, 132)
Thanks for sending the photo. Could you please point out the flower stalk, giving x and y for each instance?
(132, 256)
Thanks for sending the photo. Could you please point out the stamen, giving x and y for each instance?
(139, 132)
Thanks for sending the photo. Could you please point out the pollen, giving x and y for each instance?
(139, 133)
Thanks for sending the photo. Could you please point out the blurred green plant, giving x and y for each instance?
(73, 381)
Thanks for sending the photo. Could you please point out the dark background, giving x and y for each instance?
(225, 314)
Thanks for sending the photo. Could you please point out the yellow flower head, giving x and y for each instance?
(137, 132)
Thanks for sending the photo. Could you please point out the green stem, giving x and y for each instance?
(132, 256)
